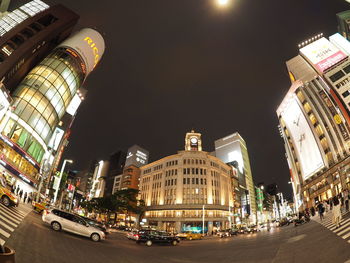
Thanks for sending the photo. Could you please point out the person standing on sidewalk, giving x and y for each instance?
(320, 210)
(336, 211)
(346, 200)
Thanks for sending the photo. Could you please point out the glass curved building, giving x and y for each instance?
(41, 100)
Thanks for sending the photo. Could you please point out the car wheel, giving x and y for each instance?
(6, 201)
(174, 242)
(95, 237)
(56, 226)
(149, 243)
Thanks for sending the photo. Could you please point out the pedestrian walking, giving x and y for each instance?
(336, 211)
(346, 200)
(20, 194)
(312, 211)
(320, 209)
(29, 198)
(25, 197)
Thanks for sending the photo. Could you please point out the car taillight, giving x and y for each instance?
(137, 237)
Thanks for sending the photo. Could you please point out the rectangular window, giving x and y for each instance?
(345, 94)
(184, 161)
(205, 181)
(192, 180)
(201, 180)
(188, 180)
(188, 171)
(174, 181)
(336, 76)
(197, 181)
(184, 171)
(193, 171)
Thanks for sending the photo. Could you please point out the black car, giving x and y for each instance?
(152, 236)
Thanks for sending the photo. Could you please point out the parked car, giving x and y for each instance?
(189, 235)
(133, 235)
(151, 236)
(60, 220)
(96, 224)
(6, 197)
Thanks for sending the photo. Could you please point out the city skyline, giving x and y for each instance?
(165, 75)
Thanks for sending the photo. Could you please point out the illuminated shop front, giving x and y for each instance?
(29, 128)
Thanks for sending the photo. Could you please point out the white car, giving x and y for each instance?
(60, 220)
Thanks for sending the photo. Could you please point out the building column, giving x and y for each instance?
(210, 227)
(178, 226)
(160, 225)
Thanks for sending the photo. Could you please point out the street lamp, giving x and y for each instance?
(59, 179)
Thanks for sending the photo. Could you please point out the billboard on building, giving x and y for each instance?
(74, 105)
(322, 54)
(89, 44)
(308, 152)
(136, 156)
(340, 42)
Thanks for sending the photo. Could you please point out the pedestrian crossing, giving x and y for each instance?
(10, 219)
(343, 231)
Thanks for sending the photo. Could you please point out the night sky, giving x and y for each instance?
(174, 65)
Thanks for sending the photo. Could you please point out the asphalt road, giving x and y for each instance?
(35, 242)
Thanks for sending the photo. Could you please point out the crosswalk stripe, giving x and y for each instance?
(11, 214)
(3, 218)
(7, 226)
(9, 218)
(16, 211)
(4, 233)
(343, 231)
(2, 242)
(343, 225)
(346, 236)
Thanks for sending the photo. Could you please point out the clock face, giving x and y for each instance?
(194, 140)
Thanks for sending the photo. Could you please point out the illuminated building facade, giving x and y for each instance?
(36, 119)
(233, 148)
(177, 190)
(314, 120)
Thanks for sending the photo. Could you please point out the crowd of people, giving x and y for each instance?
(25, 197)
(335, 205)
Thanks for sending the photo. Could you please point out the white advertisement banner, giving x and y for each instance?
(323, 54)
(309, 154)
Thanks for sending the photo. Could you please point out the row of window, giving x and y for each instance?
(157, 176)
(195, 181)
(170, 182)
(171, 172)
(193, 161)
(147, 171)
(17, 40)
(197, 171)
(158, 167)
(171, 163)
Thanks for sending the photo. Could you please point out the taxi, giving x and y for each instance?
(189, 235)
(40, 206)
(6, 197)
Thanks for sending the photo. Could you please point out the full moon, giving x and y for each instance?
(225, 2)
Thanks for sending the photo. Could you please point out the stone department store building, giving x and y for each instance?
(177, 189)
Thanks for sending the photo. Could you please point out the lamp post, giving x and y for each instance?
(203, 222)
(59, 179)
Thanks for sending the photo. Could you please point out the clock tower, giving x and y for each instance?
(193, 141)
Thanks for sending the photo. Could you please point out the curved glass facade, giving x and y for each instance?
(41, 100)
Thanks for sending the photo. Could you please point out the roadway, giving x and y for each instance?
(35, 242)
